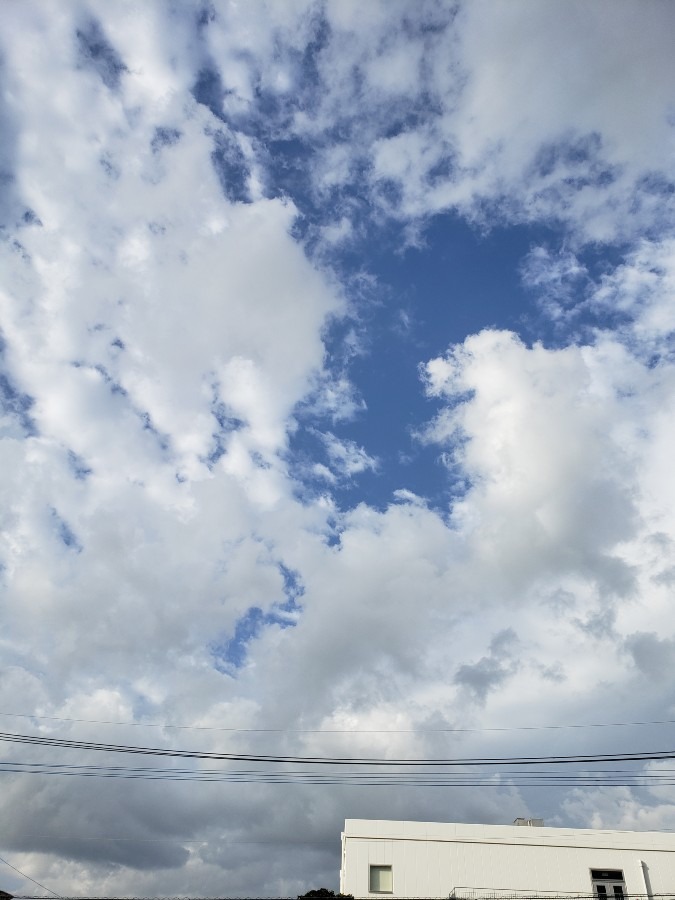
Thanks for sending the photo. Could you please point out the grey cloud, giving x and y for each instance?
(490, 672)
(97, 821)
(10, 200)
(654, 656)
(600, 623)
(97, 53)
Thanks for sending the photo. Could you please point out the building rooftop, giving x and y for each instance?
(383, 829)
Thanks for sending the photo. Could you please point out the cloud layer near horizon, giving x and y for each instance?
(181, 187)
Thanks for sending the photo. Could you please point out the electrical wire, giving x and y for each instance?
(604, 778)
(42, 741)
(565, 771)
(510, 771)
(470, 894)
(23, 875)
(340, 730)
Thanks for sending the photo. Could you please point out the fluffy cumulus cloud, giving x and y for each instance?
(194, 552)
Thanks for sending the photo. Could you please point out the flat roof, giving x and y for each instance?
(527, 835)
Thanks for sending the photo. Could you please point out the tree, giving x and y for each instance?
(324, 892)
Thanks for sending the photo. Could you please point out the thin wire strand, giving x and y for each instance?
(470, 894)
(23, 875)
(339, 730)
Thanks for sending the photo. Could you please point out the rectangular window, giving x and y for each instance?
(381, 880)
(608, 884)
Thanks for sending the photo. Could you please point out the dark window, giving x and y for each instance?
(608, 883)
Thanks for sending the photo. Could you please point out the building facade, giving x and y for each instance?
(432, 859)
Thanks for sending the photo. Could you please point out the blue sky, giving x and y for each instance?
(457, 280)
(336, 390)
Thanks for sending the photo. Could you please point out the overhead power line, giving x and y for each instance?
(236, 730)
(23, 875)
(377, 778)
(592, 759)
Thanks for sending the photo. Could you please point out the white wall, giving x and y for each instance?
(430, 859)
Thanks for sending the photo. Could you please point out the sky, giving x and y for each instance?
(337, 381)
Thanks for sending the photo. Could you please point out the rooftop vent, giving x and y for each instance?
(535, 823)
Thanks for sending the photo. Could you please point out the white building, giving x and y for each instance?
(432, 859)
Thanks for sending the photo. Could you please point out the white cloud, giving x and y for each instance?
(346, 457)
(622, 808)
(512, 426)
(517, 114)
(642, 289)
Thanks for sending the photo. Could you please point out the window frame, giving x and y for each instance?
(381, 867)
